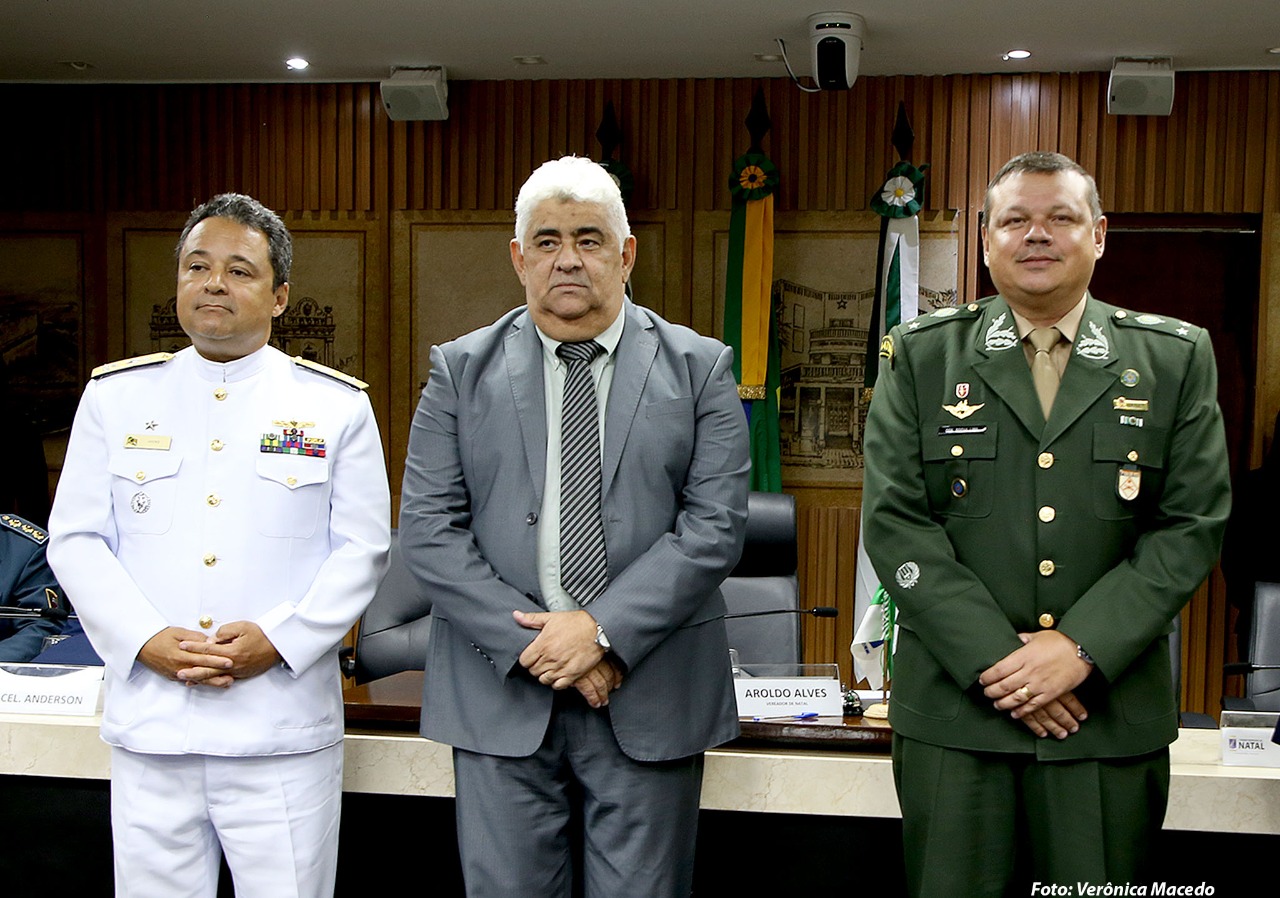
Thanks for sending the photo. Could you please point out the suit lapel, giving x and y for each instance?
(1005, 370)
(523, 351)
(1088, 375)
(635, 354)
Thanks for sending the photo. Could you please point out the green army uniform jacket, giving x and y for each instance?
(983, 520)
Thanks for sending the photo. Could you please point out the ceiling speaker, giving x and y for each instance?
(1140, 87)
(416, 95)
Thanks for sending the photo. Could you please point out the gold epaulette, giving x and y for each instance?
(138, 361)
(25, 527)
(337, 375)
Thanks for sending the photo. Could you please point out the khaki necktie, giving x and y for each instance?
(1044, 373)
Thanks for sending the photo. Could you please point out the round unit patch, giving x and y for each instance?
(140, 503)
(908, 575)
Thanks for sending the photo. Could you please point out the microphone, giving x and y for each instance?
(818, 611)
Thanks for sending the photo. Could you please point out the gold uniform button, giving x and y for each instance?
(957, 450)
(1133, 455)
(210, 560)
(212, 500)
(1046, 620)
(973, 307)
(292, 481)
(206, 622)
(1047, 568)
(220, 394)
(1047, 513)
(1045, 459)
(140, 476)
(217, 445)
(1121, 313)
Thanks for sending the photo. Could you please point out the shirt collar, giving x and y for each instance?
(1068, 324)
(236, 369)
(608, 338)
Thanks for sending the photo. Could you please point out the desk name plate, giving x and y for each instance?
(788, 690)
(67, 689)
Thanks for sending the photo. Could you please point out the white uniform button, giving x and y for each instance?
(1045, 459)
(212, 500)
(1047, 568)
(220, 394)
(140, 476)
(206, 622)
(217, 445)
(1047, 513)
(210, 559)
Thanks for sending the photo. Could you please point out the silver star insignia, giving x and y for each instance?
(912, 325)
(1182, 332)
(151, 425)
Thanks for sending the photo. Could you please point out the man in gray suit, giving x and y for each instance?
(560, 567)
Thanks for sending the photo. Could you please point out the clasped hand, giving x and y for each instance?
(565, 654)
(237, 651)
(1034, 683)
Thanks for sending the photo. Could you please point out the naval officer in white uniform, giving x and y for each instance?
(222, 520)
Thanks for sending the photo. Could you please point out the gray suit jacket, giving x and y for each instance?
(674, 501)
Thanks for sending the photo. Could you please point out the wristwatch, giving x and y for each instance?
(602, 640)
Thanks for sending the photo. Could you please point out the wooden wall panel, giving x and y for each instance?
(89, 151)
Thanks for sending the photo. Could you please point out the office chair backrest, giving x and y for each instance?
(1263, 686)
(394, 629)
(765, 579)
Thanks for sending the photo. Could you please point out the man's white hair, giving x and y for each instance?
(574, 179)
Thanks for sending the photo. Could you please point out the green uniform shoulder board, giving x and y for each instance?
(337, 375)
(1162, 324)
(25, 527)
(940, 316)
(138, 361)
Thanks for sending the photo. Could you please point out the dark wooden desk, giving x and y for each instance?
(395, 703)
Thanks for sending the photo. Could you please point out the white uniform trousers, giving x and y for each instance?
(275, 818)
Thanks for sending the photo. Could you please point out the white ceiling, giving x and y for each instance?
(345, 40)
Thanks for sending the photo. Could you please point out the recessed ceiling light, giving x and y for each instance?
(77, 65)
(768, 57)
(296, 63)
(529, 60)
(1275, 50)
(1016, 54)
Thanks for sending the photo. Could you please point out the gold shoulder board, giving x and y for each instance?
(138, 361)
(330, 372)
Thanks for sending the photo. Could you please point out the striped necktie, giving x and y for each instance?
(583, 563)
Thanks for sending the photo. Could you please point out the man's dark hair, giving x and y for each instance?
(249, 212)
(1042, 163)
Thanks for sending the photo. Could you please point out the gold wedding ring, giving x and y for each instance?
(1025, 692)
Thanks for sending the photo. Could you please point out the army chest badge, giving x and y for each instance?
(1128, 482)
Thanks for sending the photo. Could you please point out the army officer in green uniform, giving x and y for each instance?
(1046, 485)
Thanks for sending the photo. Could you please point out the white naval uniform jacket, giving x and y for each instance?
(174, 506)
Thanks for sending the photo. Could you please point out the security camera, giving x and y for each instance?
(837, 47)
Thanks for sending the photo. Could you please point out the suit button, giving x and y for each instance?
(210, 560)
(1047, 513)
(531, 518)
(1046, 620)
(220, 394)
(217, 445)
(957, 450)
(1047, 568)
(1045, 459)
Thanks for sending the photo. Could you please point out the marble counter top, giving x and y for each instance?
(1204, 795)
